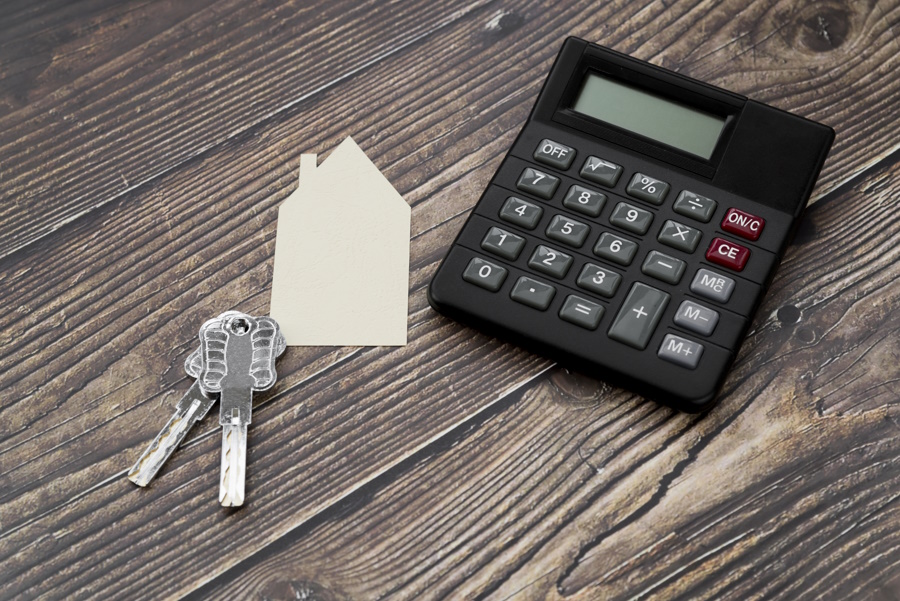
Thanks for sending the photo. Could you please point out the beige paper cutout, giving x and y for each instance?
(341, 273)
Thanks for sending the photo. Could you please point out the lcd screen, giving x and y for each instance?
(649, 115)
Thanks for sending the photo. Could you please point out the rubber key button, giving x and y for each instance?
(533, 293)
(601, 281)
(680, 351)
(639, 316)
(743, 224)
(727, 254)
(554, 154)
(663, 267)
(690, 204)
(712, 285)
(543, 185)
(567, 230)
(580, 199)
(485, 274)
(696, 318)
(581, 312)
(503, 243)
(629, 217)
(599, 171)
(521, 212)
(647, 188)
(679, 236)
(549, 261)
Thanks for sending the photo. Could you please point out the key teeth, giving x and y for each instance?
(153, 458)
(234, 461)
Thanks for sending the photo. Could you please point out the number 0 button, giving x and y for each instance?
(485, 274)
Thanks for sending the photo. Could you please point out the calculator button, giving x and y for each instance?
(639, 315)
(521, 212)
(679, 236)
(596, 279)
(502, 243)
(647, 188)
(696, 318)
(615, 249)
(533, 293)
(727, 254)
(549, 261)
(582, 200)
(743, 224)
(599, 171)
(712, 285)
(663, 267)
(680, 351)
(695, 206)
(567, 230)
(582, 312)
(629, 217)
(485, 274)
(554, 154)
(543, 185)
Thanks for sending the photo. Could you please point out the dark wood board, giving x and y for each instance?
(105, 286)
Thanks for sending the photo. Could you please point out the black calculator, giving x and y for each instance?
(634, 226)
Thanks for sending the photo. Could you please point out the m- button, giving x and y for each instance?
(743, 224)
(727, 254)
(554, 154)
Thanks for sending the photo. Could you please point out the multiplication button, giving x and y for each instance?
(582, 312)
(554, 154)
(599, 171)
(533, 293)
(639, 315)
(647, 188)
(485, 274)
(679, 236)
(680, 351)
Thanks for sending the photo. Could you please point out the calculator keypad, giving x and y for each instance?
(549, 261)
(599, 171)
(543, 185)
(680, 236)
(568, 231)
(615, 249)
(585, 201)
(503, 243)
(639, 315)
(521, 212)
(647, 188)
(533, 293)
(631, 218)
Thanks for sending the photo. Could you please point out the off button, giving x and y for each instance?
(554, 154)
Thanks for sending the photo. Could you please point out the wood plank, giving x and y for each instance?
(149, 108)
(571, 489)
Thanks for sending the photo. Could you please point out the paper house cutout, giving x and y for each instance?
(341, 274)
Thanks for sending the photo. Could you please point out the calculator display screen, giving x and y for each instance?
(649, 115)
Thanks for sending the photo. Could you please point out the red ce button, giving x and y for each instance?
(727, 254)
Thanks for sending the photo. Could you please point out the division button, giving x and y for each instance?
(663, 267)
(503, 243)
(599, 171)
(727, 254)
(485, 274)
(679, 236)
(691, 204)
(712, 285)
(639, 315)
(585, 201)
(696, 318)
(543, 185)
(533, 293)
(599, 280)
(680, 351)
(647, 188)
(554, 154)
(615, 249)
(521, 212)
(743, 224)
(549, 261)
(567, 230)
(582, 312)
(629, 217)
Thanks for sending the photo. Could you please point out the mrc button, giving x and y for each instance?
(727, 254)
(743, 224)
(712, 285)
(554, 154)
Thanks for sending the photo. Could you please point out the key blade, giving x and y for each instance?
(192, 407)
(234, 464)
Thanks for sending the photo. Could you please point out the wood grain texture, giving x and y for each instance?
(573, 490)
(99, 311)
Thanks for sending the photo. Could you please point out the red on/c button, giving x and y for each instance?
(743, 224)
(727, 254)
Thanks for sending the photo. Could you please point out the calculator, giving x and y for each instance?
(634, 226)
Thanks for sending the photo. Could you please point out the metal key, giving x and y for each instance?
(191, 408)
(238, 358)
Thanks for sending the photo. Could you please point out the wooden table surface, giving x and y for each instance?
(144, 149)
